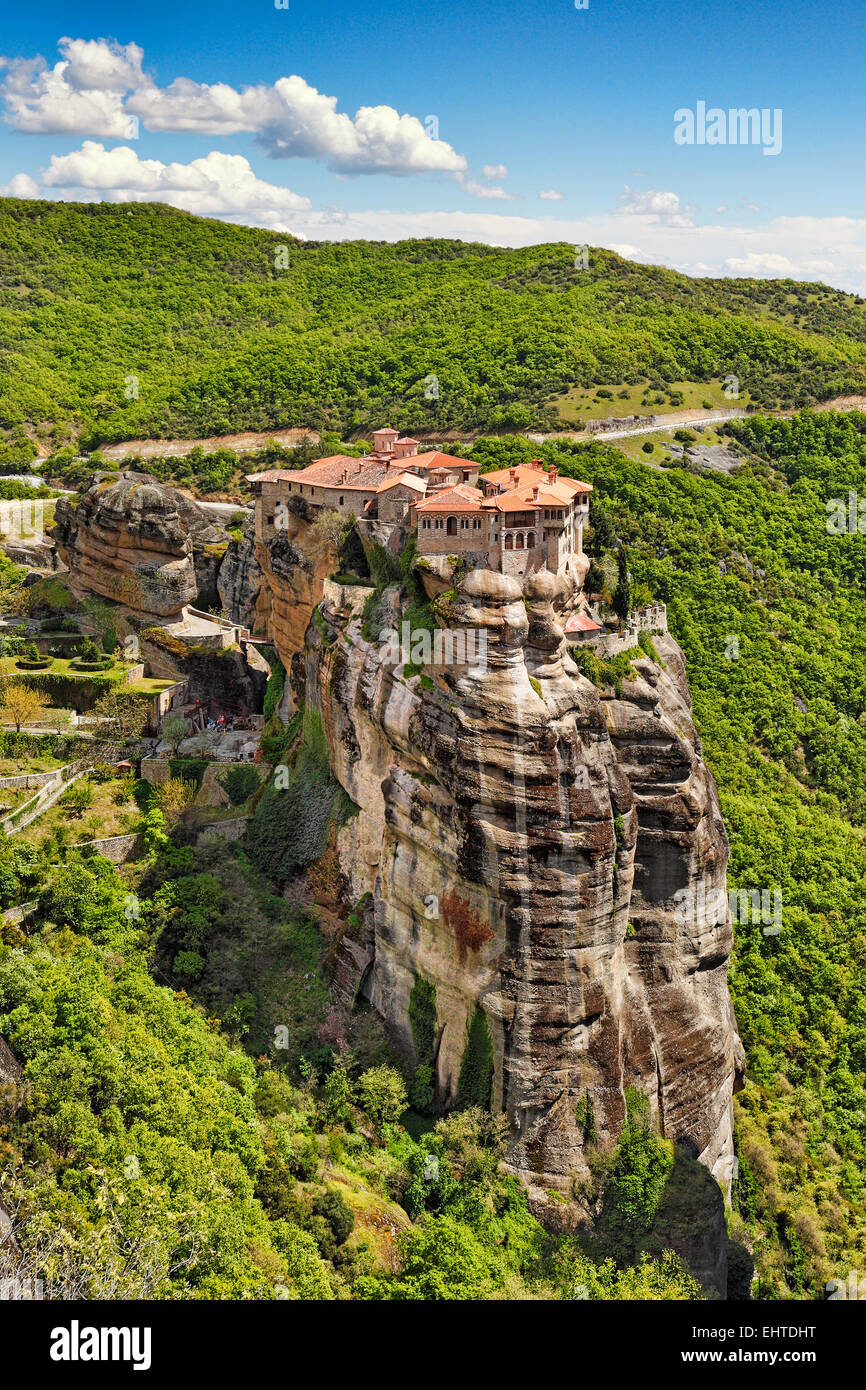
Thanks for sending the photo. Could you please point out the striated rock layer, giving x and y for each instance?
(293, 568)
(240, 579)
(545, 857)
(139, 542)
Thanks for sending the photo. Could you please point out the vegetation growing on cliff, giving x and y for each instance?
(475, 1082)
(424, 1024)
(289, 829)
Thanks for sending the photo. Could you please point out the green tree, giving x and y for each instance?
(622, 595)
(382, 1093)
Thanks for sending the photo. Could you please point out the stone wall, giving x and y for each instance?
(222, 830)
(29, 779)
(116, 848)
(619, 422)
(155, 771)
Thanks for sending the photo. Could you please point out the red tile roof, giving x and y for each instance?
(403, 479)
(434, 459)
(579, 622)
(528, 474)
(363, 473)
(460, 498)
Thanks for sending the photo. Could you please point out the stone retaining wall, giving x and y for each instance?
(222, 830)
(117, 848)
(29, 779)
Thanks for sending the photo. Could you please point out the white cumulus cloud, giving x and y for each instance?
(551, 195)
(218, 185)
(98, 85)
(83, 92)
(655, 203)
(20, 186)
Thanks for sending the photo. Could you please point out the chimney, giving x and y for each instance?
(551, 473)
(537, 463)
(535, 494)
(513, 472)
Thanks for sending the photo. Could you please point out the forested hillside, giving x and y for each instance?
(138, 320)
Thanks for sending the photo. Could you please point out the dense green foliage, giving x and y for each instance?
(475, 1082)
(144, 1155)
(218, 338)
(424, 1024)
(289, 829)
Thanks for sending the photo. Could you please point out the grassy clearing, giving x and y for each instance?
(579, 404)
(112, 812)
(39, 762)
(660, 439)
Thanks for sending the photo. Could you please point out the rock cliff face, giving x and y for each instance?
(293, 569)
(138, 542)
(539, 851)
(239, 581)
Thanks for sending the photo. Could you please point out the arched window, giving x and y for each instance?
(518, 542)
(509, 542)
(530, 541)
(451, 528)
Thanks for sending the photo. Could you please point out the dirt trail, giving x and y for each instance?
(177, 448)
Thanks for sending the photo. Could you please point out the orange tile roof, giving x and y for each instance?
(434, 459)
(406, 479)
(526, 473)
(579, 622)
(363, 473)
(546, 494)
(512, 502)
(460, 498)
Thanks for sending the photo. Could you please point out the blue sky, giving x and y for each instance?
(419, 119)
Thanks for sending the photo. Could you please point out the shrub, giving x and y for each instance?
(332, 1207)
(476, 1070)
(240, 782)
(382, 1093)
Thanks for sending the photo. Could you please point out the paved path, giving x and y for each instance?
(586, 437)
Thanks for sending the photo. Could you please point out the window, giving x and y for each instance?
(509, 542)
(270, 520)
(518, 543)
(341, 501)
(451, 528)
(530, 541)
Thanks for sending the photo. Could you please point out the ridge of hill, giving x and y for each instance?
(120, 321)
